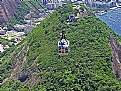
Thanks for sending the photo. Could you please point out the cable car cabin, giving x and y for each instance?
(63, 47)
(70, 18)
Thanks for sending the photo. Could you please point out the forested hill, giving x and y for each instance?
(34, 65)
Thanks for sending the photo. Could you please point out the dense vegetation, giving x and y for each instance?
(86, 68)
(4, 41)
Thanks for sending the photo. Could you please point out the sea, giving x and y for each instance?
(113, 19)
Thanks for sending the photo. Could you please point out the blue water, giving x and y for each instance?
(113, 19)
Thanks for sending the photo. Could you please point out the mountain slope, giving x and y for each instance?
(35, 64)
(24, 9)
(14, 11)
(7, 9)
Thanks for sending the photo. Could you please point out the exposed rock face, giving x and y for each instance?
(20, 71)
(116, 57)
(7, 9)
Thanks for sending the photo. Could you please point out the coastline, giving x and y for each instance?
(107, 10)
(112, 18)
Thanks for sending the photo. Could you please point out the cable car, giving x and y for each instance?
(70, 18)
(63, 45)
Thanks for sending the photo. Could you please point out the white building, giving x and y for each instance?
(1, 48)
(53, 4)
(2, 32)
(19, 27)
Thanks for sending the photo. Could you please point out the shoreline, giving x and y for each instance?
(112, 18)
(105, 11)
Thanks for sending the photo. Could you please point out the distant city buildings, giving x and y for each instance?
(44, 2)
(53, 4)
(118, 1)
(101, 4)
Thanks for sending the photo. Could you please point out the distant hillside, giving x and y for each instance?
(15, 10)
(34, 65)
(8, 9)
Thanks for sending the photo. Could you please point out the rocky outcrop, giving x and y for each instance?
(116, 57)
(8, 9)
(19, 69)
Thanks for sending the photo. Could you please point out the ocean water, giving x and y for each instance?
(113, 19)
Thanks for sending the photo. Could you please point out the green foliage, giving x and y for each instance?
(14, 86)
(4, 41)
(88, 65)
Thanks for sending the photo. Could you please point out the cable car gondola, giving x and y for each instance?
(70, 18)
(63, 44)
